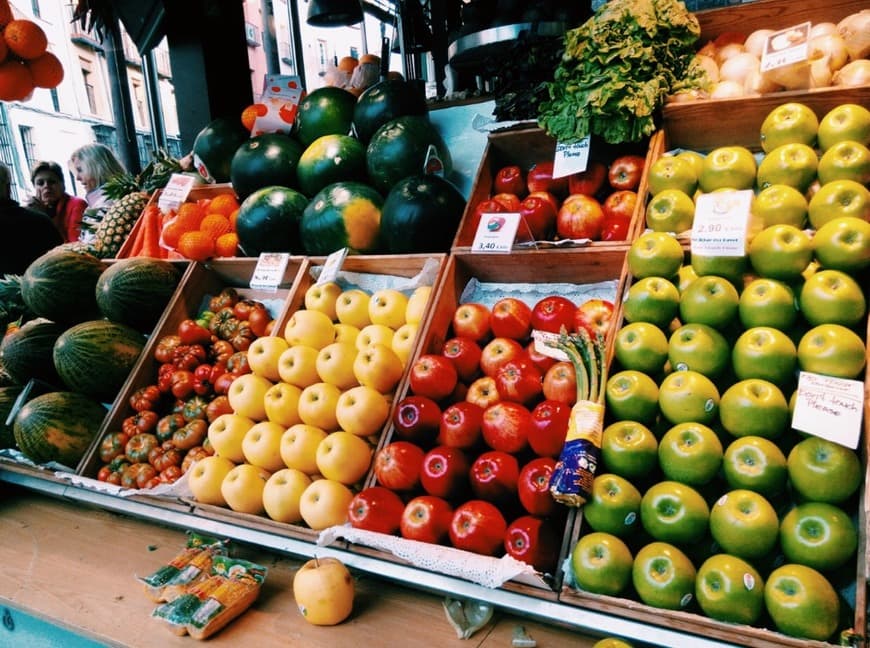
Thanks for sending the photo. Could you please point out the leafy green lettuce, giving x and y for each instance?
(617, 69)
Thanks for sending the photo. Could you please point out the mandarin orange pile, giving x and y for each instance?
(25, 63)
(203, 229)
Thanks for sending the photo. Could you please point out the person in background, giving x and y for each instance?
(51, 198)
(30, 233)
(93, 164)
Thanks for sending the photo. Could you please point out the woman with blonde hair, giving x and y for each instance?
(93, 164)
(50, 197)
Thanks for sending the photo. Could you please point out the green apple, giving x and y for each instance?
(754, 407)
(613, 505)
(710, 300)
(802, 602)
(765, 352)
(780, 204)
(632, 396)
(781, 252)
(848, 121)
(670, 210)
(818, 535)
(685, 275)
(601, 564)
(641, 346)
(832, 297)
(654, 254)
(787, 123)
(700, 348)
(663, 576)
(690, 453)
(694, 158)
(846, 160)
(652, 299)
(744, 524)
(832, 350)
(728, 167)
(755, 463)
(686, 396)
(839, 198)
(789, 164)
(672, 172)
(731, 268)
(674, 512)
(767, 302)
(824, 471)
(843, 244)
(729, 589)
(629, 449)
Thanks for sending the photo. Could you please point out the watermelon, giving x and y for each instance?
(331, 158)
(8, 396)
(268, 221)
(136, 291)
(343, 214)
(386, 100)
(399, 148)
(61, 286)
(324, 111)
(95, 357)
(265, 160)
(58, 426)
(214, 147)
(27, 352)
(421, 214)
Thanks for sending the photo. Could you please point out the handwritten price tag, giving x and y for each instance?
(269, 271)
(829, 408)
(786, 47)
(496, 232)
(542, 341)
(175, 192)
(721, 221)
(332, 266)
(571, 158)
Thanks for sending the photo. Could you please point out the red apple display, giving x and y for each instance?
(594, 316)
(509, 179)
(464, 353)
(519, 381)
(460, 425)
(589, 181)
(483, 392)
(552, 313)
(549, 427)
(506, 426)
(444, 472)
(560, 383)
(397, 465)
(426, 518)
(511, 318)
(539, 216)
(478, 526)
(625, 172)
(541, 361)
(579, 217)
(498, 351)
(434, 376)
(376, 508)
(533, 486)
(533, 540)
(540, 178)
(417, 419)
(493, 476)
(620, 205)
(471, 320)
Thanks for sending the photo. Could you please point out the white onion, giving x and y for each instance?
(727, 51)
(795, 76)
(854, 73)
(855, 30)
(709, 66)
(821, 73)
(727, 90)
(758, 83)
(755, 42)
(738, 67)
(831, 46)
(821, 28)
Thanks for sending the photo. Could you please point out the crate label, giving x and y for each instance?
(332, 266)
(269, 271)
(571, 158)
(829, 407)
(496, 232)
(433, 164)
(278, 103)
(786, 47)
(543, 339)
(175, 192)
(721, 221)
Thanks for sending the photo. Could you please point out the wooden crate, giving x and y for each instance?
(526, 147)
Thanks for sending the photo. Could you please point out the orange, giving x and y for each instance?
(226, 245)
(190, 215)
(215, 225)
(347, 64)
(197, 246)
(25, 38)
(171, 233)
(224, 204)
(15, 81)
(250, 114)
(46, 70)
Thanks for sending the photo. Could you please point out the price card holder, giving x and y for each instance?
(829, 408)
(720, 224)
(332, 266)
(542, 341)
(785, 47)
(433, 164)
(269, 271)
(175, 192)
(496, 232)
(571, 158)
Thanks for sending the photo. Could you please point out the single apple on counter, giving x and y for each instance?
(323, 590)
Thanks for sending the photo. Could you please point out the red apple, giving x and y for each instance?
(533, 486)
(426, 518)
(416, 419)
(488, 206)
(594, 316)
(397, 465)
(620, 204)
(376, 509)
(560, 383)
(552, 313)
(590, 180)
(519, 381)
(539, 216)
(493, 476)
(579, 217)
(535, 541)
(549, 427)
(625, 172)
(432, 375)
(541, 361)
(615, 229)
(510, 201)
(478, 526)
(483, 392)
(471, 320)
(509, 179)
(540, 178)
(498, 351)
(511, 318)
(460, 425)
(506, 426)
(444, 472)
(464, 353)
(549, 197)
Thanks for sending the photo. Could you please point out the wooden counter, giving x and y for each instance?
(76, 566)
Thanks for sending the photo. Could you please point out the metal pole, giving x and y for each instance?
(296, 42)
(270, 48)
(152, 93)
(122, 105)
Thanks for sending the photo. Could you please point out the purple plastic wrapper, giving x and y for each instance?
(571, 481)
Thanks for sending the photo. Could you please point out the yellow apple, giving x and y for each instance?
(403, 341)
(378, 366)
(374, 334)
(335, 364)
(352, 307)
(344, 457)
(243, 486)
(299, 447)
(362, 411)
(323, 589)
(225, 434)
(324, 503)
(387, 306)
(317, 406)
(346, 332)
(246, 395)
(298, 366)
(282, 493)
(417, 302)
(205, 478)
(263, 356)
(309, 327)
(282, 404)
(321, 297)
(262, 445)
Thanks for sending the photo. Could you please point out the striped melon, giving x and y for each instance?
(60, 286)
(28, 352)
(58, 426)
(8, 396)
(135, 291)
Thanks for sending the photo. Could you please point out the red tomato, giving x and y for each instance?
(533, 486)
(579, 217)
(552, 313)
(511, 318)
(376, 509)
(417, 419)
(625, 172)
(397, 465)
(494, 476)
(590, 181)
(518, 381)
(533, 540)
(444, 472)
(506, 426)
(478, 526)
(539, 216)
(460, 425)
(259, 319)
(509, 179)
(139, 445)
(426, 518)
(432, 375)
(192, 333)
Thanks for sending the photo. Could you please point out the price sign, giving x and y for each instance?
(280, 101)
(496, 232)
(571, 158)
(829, 408)
(175, 192)
(786, 47)
(720, 224)
(542, 341)
(269, 271)
(332, 266)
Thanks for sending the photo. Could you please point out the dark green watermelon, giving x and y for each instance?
(136, 291)
(8, 397)
(421, 214)
(268, 221)
(398, 149)
(324, 111)
(263, 161)
(27, 352)
(214, 147)
(386, 100)
(343, 214)
(329, 159)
